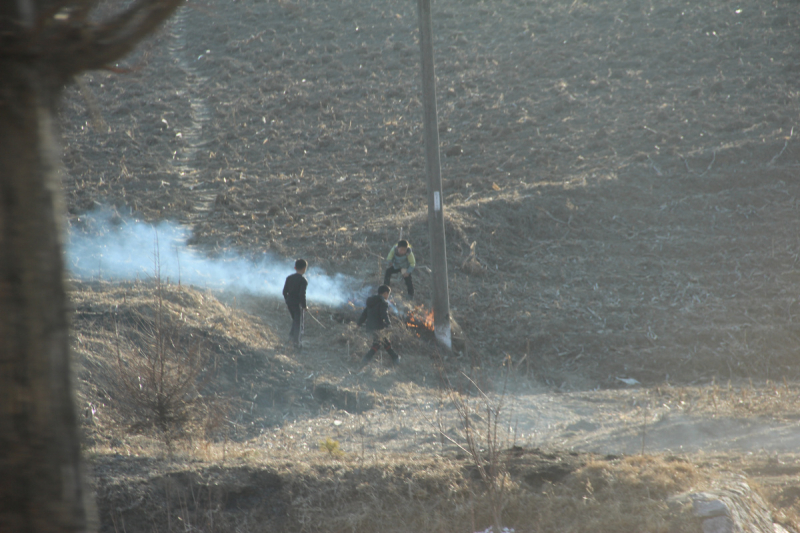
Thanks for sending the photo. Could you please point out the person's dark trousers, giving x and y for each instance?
(379, 339)
(391, 271)
(296, 333)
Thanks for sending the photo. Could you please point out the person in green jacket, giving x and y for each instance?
(401, 260)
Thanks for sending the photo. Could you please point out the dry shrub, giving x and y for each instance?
(160, 373)
(626, 494)
(482, 444)
(470, 264)
(622, 494)
(655, 477)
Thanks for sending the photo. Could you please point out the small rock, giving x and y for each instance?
(707, 508)
(718, 524)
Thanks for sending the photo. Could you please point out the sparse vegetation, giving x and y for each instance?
(157, 383)
(161, 372)
(398, 494)
(622, 204)
(331, 447)
(444, 488)
(481, 441)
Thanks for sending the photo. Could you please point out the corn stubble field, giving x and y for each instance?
(622, 240)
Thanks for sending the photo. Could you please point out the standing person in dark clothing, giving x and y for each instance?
(401, 259)
(376, 317)
(294, 294)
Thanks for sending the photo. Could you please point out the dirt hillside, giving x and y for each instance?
(620, 195)
(625, 167)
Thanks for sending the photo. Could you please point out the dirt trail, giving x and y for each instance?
(626, 423)
(190, 134)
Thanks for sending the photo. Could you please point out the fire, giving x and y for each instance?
(420, 320)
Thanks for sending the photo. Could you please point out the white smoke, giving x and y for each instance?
(104, 245)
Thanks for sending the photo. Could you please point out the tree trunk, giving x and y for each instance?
(40, 483)
(43, 44)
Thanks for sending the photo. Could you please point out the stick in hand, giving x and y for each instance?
(315, 319)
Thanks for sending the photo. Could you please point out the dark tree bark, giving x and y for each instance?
(43, 44)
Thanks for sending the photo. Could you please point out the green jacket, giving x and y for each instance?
(399, 262)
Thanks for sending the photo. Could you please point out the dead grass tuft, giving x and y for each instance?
(605, 496)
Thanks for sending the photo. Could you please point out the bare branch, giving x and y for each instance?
(93, 46)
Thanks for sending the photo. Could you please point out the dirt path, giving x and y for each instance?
(407, 409)
(189, 132)
(410, 419)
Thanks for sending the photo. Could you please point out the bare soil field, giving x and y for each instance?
(622, 239)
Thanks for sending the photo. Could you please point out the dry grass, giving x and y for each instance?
(741, 400)
(595, 230)
(482, 444)
(159, 379)
(401, 493)
(153, 360)
(609, 496)
(369, 487)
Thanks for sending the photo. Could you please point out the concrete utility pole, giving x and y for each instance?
(441, 294)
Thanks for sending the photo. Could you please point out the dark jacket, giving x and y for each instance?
(294, 290)
(376, 314)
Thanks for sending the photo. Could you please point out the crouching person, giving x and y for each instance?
(401, 260)
(376, 318)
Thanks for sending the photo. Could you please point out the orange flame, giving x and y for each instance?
(420, 320)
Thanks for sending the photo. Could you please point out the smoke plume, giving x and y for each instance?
(103, 245)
